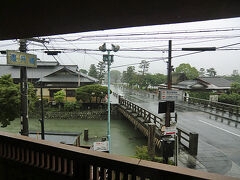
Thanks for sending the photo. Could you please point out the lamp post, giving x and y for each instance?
(109, 59)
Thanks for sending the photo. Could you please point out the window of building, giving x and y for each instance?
(70, 93)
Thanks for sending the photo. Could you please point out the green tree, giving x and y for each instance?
(84, 71)
(115, 76)
(59, 98)
(211, 72)
(157, 79)
(144, 65)
(86, 93)
(101, 71)
(32, 97)
(201, 72)
(188, 70)
(9, 100)
(129, 76)
(235, 88)
(93, 71)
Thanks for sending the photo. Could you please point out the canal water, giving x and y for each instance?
(124, 137)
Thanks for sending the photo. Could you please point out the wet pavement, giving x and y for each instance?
(219, 143)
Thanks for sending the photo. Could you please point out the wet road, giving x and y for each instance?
(219, 143)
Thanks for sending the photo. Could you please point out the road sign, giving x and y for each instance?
(171, 95)
(21, 59)
(162, 107)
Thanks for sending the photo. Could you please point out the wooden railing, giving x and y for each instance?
(79, 163)
(141, 112)
(189, 140)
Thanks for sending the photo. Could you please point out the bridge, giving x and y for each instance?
(217, 126)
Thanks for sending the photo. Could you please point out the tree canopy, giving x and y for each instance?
(211, 72)
(9, 100)
(144, 65)
(101, 71)
(188, 70)
(115, 76)
(86, 93)
(84, 71)
(93, 71)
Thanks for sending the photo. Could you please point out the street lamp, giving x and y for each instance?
(109, 59)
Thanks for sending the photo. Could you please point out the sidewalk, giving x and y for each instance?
(188, 161)
(209, 159)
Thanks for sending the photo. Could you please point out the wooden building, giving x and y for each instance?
(52, 77)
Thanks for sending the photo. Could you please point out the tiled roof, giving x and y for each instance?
(44, 72)
(216, 81)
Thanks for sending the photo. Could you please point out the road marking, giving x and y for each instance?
(220, 128)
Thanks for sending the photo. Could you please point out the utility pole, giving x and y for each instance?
(169, 77)
(42, 109)
(24, 92)
(24, 89)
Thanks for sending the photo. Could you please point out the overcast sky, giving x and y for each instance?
(79, 48)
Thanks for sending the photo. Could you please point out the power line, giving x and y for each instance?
(174, 56)
(150, 33)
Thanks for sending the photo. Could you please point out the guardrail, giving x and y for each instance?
(228, 112)
(78, 163)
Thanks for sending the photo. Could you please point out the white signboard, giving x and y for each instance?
(101, 146)
(169, 130)
(213, 98)
(171, 95)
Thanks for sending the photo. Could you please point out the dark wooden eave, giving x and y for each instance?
(21, 19)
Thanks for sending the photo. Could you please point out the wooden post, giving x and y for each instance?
(193, 143)
(179, 138)
(151, 142)
(85, 134)
(237, 115)
(223, 112)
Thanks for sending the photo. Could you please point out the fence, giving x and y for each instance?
(189, 140)
(77, 163)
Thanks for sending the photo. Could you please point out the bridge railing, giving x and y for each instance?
(78, 163)
(141, 112)
(228, 112)
(219, 106)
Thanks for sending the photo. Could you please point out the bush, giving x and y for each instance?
(69, 106)
(233, 98)
(201, 95)
(142, 153)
